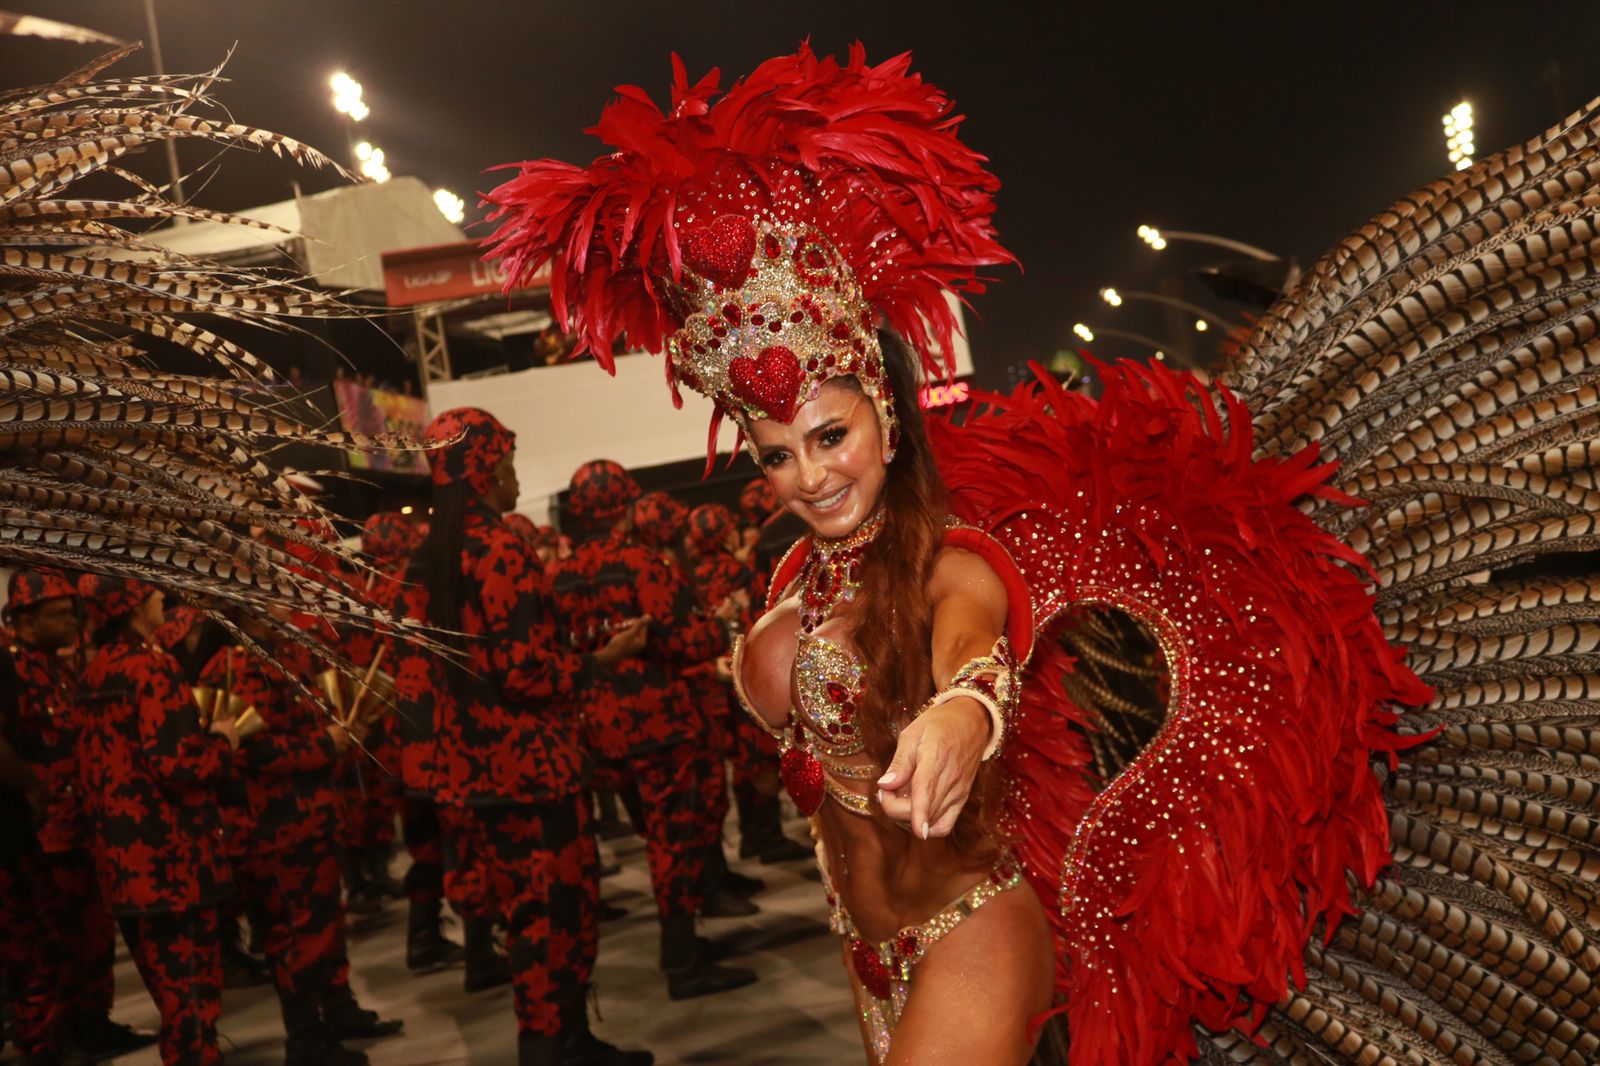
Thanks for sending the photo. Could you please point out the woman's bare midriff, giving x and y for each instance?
(886, 878)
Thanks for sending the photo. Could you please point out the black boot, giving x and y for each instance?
(243, 971)
(580, 1047)
(101, 1038)
(607, 825)
(486, 967)
(536, 1050)
(689, 972)
(359, 897)
(379, 879)
(345, 1019)
(719, 877)
(427, 948)
(766, 841)
(307, 1041)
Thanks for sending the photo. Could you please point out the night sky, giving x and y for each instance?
(1242, 119)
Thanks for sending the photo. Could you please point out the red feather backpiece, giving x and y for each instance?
(1187, 886)
(869, 155)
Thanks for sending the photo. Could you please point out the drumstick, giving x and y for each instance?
(372, 671)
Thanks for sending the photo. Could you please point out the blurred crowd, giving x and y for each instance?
(234, 806)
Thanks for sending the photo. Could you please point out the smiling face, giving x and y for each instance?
(827, 465)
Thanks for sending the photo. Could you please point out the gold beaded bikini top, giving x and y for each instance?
(820, 742)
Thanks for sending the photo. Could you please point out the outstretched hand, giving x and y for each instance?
(934, 765)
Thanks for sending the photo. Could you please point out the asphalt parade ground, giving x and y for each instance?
(799, 1012)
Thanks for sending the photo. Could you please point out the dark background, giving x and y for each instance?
(1284, 125)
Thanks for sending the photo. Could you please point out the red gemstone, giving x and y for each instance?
(874, 975)
(837, 692)
(906, 946)
(802, 778)
(732, 313)
(841, 332)
(770, 382)
(772, 247)
(722, 251)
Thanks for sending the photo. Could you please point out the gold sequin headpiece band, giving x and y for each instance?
(760, 236)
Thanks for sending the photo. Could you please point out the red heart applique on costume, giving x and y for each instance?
(802, 779)
(771, 381)
(875, 976)
(721, 252)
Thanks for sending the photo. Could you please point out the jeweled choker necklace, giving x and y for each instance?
(832, 576)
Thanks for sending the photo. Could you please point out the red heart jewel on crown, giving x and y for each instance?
(771, 381)
(722, 251)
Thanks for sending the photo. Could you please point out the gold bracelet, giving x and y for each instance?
(991, 681)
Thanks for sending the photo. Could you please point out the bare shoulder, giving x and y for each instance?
(959, 573)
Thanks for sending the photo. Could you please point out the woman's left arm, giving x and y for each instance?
(938, 754)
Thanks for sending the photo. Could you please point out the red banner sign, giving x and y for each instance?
(444, 272)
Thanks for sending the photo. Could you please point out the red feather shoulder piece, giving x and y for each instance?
(1186, 886)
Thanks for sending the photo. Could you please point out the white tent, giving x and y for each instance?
(338, 236)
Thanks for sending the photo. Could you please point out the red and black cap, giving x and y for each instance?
(657, 519)
(105, 599)
(466, 444)
(709, 526)
(601, 491)
(29, 588)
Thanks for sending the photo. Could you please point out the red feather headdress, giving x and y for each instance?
(760, 237)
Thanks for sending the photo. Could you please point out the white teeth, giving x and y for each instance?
(823, 505)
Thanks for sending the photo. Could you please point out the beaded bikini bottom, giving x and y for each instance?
(883, 968)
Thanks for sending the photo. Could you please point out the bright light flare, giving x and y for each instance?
(1084, 332)
(1111, 296)
(450, 205)
(1152, 236)
(1458, 139)
(1201, 325)
(347, 96)
(370, 157)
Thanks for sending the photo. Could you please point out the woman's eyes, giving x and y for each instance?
(832, 438)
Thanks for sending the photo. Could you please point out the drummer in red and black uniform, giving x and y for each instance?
(285, 861)
(640, 720)
(715, 545)
(660, 522)
(391, 539)
(148, 773)
(59, 932)
(493, 739)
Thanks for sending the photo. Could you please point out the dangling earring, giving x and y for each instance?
(893, 443)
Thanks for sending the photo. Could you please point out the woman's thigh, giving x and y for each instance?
(974, 992)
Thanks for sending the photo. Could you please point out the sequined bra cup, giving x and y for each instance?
(820, 741)
(829, 682)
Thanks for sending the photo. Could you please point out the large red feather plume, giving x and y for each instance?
(909, 205)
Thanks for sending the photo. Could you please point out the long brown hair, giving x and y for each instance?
(892, 611)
